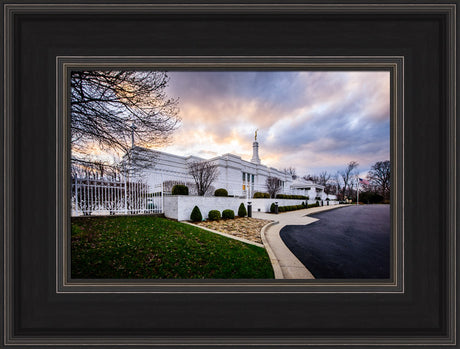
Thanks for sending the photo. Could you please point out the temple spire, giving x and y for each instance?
(255, 150)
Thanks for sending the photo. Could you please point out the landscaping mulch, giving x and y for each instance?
(242, 227)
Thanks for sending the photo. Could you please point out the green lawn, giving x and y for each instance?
(147, 247)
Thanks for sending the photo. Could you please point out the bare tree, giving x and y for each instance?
(323, 178)
(347, 176)
(114, 108)
(335, 185)
(273, 185)
(311, 178)
(138, 159)
(290, 171)
(87, 168)
(320, 179)
(380, 176)
(204, 173)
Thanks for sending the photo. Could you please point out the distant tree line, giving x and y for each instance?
(374, 188)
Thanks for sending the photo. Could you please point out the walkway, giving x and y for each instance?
(285, 264)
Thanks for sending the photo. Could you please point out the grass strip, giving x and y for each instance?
(147, 247)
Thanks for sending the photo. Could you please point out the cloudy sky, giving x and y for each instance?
(312, 121)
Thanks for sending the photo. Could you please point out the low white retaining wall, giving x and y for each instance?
(180, 206)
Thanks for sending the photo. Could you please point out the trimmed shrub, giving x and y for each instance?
(221, 192)
(259, 195)
(296, 197)
(242, 211)
(228, 214)
(289, 208)
(179, 189)
(317, 198)
(196, 215)
(214, 215)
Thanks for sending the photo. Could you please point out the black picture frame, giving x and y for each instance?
(65, 65)
(421, 310)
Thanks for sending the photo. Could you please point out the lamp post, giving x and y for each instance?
(357, 192)
(133, 127)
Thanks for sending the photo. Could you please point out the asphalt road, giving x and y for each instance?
(351, 242)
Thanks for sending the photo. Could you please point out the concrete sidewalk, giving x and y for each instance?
(285, 263)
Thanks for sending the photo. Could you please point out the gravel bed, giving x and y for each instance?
(246, 228)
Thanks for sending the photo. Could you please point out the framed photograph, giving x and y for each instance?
(125, 172)
(223, 174)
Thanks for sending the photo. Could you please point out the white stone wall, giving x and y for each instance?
(180, 207)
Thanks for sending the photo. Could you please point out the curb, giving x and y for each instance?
(330, 208)
(226, 235)
(273, 260)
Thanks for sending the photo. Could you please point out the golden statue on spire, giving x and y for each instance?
(255, 136)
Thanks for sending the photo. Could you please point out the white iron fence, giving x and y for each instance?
(109, 197)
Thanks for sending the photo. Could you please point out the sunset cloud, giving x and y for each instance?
(312, 121)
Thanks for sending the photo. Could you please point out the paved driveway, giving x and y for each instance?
(350, 242)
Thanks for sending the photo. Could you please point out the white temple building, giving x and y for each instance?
(147, 179)
(241, 178)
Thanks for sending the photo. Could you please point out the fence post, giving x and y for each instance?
(126, 197)
(76, 194)
(162, 198)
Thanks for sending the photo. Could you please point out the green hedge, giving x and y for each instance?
(214, 215)
(370, 198)
(296, 197)
(179, 189)
(228, 214)
(259, 195)
(221, 192)
(292, 207)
